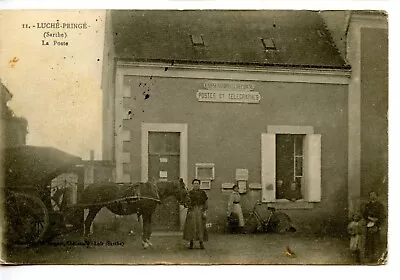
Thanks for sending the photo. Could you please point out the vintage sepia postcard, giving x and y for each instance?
(255, 137)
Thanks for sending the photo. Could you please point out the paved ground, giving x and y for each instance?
(169, 248)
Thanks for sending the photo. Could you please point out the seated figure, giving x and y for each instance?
(293, 193)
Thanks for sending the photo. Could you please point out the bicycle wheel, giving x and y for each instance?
(280, 222)
(251, 225)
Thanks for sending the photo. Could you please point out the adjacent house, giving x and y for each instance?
(363, 37)
(13, 129)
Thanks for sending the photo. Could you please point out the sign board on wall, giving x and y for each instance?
(205, 95)
(242, 186)
(255, 186)
(242, 174)
(228, 91)
(228, 85)
(227, 185)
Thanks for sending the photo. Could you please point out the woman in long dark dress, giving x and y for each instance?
(195, 225)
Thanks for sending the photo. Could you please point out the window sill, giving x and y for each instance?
(284, 204)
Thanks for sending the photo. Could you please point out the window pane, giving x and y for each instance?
(172, 142)
(164, 142)
(197, 40)
(299, 166)
(284, 157)
(156, 142)
(268, 43)
(298, 183)
(299, 144)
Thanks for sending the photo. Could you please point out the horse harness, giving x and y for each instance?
(127, 199)
(138, 196)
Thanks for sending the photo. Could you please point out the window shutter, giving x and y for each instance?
(268, 160)
(312, 168)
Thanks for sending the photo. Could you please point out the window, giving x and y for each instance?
(163, 155)
(289, 166)
(269, 44)
(164, 143)
(290, 154)
(197, 40)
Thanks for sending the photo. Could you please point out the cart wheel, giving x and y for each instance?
(27, 218)
(280, 222)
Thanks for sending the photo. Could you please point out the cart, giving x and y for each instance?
(30, 215)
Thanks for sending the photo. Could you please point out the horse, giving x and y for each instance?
(127, 199)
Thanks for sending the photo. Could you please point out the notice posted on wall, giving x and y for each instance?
(107, 112)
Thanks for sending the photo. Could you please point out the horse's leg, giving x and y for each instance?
(146, 229)
(149, 231)
(89, 219)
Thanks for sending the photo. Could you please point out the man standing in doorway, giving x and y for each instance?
(374, 215)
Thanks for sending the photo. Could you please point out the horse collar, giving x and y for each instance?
(160, 193)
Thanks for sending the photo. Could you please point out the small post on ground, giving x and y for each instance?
(89, 179)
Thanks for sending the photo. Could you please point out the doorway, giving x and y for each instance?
(163, 160)
(164, 156)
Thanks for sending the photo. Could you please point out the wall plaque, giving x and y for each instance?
(228, 85)
(205, 95)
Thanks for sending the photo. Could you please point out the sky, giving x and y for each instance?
(56, 88)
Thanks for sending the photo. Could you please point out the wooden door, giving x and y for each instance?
(164, 158)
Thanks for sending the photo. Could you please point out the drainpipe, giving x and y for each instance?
(348, 19)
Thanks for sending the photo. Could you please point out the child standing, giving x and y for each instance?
(357, 230)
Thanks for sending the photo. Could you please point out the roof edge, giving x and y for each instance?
(234, 72)
(173, 62)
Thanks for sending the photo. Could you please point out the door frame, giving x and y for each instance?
(183, 153)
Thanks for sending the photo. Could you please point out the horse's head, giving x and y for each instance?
(173, 188)
(181, 193)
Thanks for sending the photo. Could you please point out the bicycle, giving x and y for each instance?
(274, 221)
